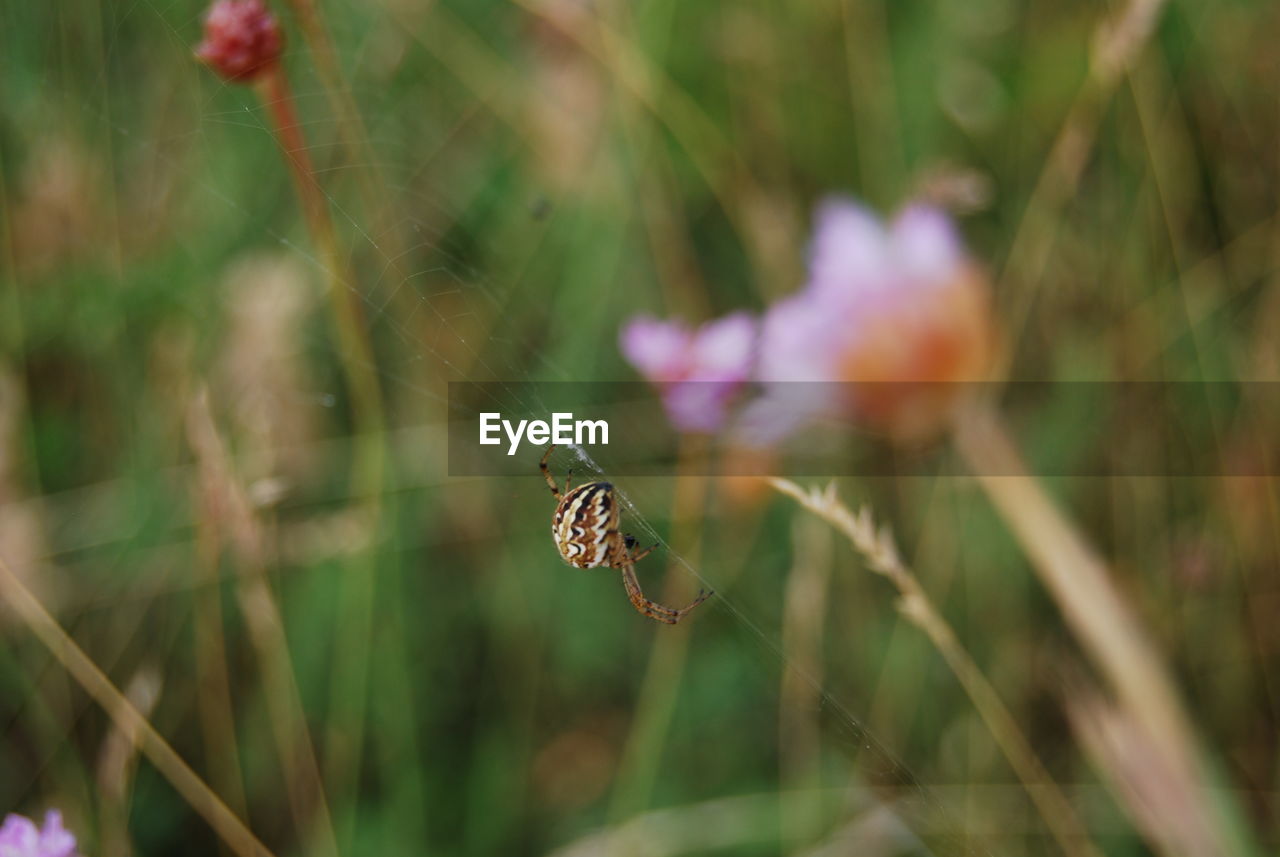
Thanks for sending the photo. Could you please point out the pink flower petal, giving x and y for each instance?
(698, 406)
(783, 410)
(850, 251)
(658, 349)
(925, 246)
(724, 349)
(19, 837)
(799, 340)
(697, 373)
(56, 840)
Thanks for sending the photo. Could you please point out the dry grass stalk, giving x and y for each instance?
(878, 549)
(1078, 581)
(128, 719)
(227, 510)
(1161, 802)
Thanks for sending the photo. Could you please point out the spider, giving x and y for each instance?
(585, 529)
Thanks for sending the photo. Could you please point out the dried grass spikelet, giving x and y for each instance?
(261, 374)
(875, 544)
(880, 552)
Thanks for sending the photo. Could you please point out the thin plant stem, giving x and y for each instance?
(873, 93)
(1117, 44)
(800, 703)
(356, 351)
(878, 549)
(128, 719)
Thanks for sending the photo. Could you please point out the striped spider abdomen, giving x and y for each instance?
(585, 526)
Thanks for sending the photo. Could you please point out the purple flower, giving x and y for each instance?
(888, 312)
(697, 371)
(19, 837)
(854, 255)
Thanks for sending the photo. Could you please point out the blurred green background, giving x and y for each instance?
(382, 660)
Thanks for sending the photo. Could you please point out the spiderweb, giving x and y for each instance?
(432, 308)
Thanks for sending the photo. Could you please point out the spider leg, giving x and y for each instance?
(546, 473)
(653, 609)
(644, 553)
(567, 476)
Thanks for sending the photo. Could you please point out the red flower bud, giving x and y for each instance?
(241, 39)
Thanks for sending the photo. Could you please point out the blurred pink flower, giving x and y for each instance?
(891, 318)
(697, 371)
(19, 837)
(241, 39)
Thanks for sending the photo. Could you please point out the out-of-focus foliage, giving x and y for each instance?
(523, 177)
